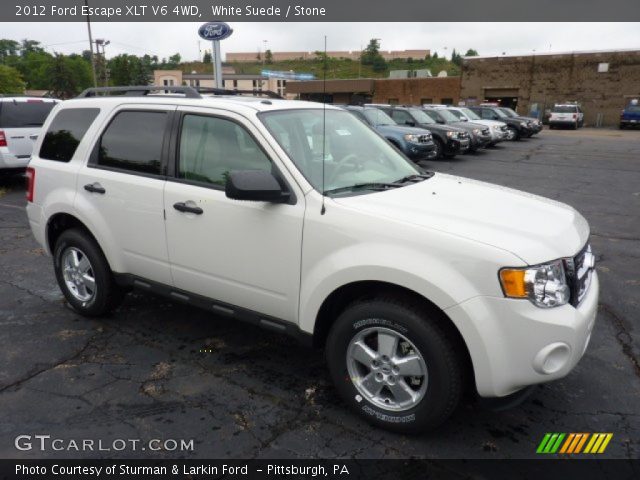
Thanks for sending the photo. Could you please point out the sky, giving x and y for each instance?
(165, 39)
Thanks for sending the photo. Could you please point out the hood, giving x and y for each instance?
(534, 228)
(400, 130)
(469, 126)
(488, 123)
(440, 128)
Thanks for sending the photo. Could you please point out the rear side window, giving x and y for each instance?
(65, 133)
(133, 141)
(24, 114)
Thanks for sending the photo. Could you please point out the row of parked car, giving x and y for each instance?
(441, 131)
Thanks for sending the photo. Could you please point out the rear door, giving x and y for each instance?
(21, 120)
(120, 189)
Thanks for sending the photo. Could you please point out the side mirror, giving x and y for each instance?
(464, 119)
(410, 123)
(254, 185)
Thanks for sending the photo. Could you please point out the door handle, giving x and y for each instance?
(183, 207)
(33, 137)
(95, 188)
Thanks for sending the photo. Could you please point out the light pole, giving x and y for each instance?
(102, 42)
(93, 61)
(264, 55)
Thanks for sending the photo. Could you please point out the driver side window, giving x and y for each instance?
(212, 147)
(401, 116)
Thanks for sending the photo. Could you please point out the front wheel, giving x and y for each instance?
(83, 274)
(439, 148)
(394, 365)
(512, 134)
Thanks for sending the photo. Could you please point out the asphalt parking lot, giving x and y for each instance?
(162, 370)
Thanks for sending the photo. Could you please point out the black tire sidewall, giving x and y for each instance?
(444, 375)
(102, 273)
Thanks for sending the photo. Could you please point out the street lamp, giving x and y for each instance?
(264, 55)
(101, 42)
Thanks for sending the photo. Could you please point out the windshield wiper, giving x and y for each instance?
(363, 186)
(415, 178)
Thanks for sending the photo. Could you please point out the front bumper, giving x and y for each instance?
(514, 344)
(420, 151)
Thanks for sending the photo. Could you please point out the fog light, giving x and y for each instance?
(552, 358)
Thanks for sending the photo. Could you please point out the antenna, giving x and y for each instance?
(324, 116)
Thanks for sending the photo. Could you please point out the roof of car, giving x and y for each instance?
(228, 102)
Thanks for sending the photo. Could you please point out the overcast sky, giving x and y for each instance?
(165, 39)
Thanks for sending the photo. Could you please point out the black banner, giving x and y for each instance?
(551, 469)
(319, 11)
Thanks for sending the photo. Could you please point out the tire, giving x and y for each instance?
(514, 135)
(434, 395)
(575, 125)
(77, 260)
(439, 148)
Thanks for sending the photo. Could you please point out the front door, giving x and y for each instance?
(241, 253)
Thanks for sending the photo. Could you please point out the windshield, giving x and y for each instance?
(377, 117)
(633, 109)
(509, 112)
(470, 114)
(500, 113)
(420, 116)
(447, 116)
(355, 156)
(564, 109)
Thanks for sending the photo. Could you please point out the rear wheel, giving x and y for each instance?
(393, 364)
(83, 274)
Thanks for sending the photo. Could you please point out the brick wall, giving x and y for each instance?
(417, 90)
(549, 79)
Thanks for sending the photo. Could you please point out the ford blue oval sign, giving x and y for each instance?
(215, 31)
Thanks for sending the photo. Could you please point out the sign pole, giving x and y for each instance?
(217, 64)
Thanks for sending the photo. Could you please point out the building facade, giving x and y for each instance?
(410, 91)
(352, 55)
(601, 82)
(231, 81)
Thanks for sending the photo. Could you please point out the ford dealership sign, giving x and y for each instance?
(215, 31)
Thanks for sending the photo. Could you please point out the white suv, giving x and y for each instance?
(566, 115)
(21, 119)
(305, 221)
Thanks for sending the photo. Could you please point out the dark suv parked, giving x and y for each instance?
(535, 124)
(449, 140)
(415, 143)
(517, 127)
(480, 135)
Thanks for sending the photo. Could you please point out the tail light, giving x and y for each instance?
(31, 183)
(3, 139)
(575, 115)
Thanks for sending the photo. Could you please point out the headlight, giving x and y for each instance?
(411, 138)
(544, 285)
(476, 131)
(452, 134)
(495, 127)
(523, 124)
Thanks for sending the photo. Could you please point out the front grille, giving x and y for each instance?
(424, 138)
(503, 128)
(486, 132)
(579, 272)
(463, 135)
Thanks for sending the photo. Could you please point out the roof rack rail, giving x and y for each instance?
(140, 90)
(225, 91)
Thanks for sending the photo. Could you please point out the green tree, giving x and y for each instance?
(63, 82)
(8, 48)
(268, 56)
(10, 80)
(435, 55)
(29, 46)
(129, 70)
(471, 53)
(207, 57)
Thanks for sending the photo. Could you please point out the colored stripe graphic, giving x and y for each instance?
(573, 443)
